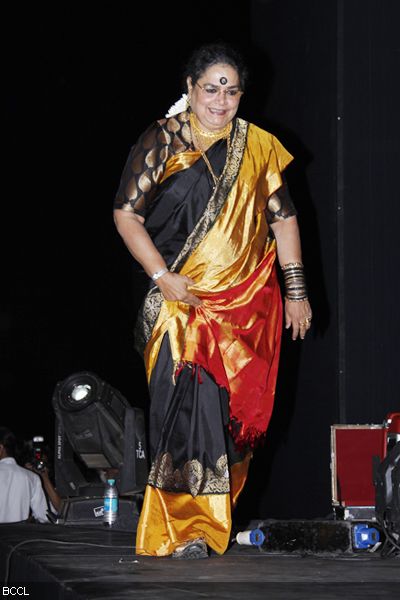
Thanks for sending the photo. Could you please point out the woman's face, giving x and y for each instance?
(215, 97)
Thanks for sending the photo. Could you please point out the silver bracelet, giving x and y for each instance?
(159, 274)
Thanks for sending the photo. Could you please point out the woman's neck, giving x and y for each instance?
(202, 139)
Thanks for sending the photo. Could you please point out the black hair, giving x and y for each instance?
(207, 55)
(8, 440)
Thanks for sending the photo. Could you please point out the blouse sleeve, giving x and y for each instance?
(280, 205)
(143, 170)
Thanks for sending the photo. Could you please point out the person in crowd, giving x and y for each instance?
(204, 208)
(21, 491)
(43, 470)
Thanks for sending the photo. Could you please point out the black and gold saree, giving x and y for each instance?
(212, 369)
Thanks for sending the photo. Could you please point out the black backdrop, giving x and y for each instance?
(81, 84)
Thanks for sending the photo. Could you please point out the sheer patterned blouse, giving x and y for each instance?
(146, 163)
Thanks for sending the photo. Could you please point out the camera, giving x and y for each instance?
(38, 462)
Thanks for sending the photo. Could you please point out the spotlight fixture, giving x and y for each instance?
(387, 504)
(97, 430)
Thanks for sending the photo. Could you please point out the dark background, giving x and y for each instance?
(81, 83)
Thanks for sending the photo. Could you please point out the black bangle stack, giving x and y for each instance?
(295, 282)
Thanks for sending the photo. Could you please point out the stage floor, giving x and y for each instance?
(72, 563)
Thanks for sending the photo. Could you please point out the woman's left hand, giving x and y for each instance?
(298, 315)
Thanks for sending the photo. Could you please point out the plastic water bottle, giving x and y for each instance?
(252, 537)
(110, 503)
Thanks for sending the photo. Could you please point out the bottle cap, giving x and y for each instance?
(111, 481)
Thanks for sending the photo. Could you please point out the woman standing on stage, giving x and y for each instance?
(203, 207)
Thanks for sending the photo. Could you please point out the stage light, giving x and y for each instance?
(387, 503)
(386, 491)
(97, 429)
(392, 424)
(80, 392)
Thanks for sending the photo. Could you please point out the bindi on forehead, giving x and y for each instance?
(221, 74)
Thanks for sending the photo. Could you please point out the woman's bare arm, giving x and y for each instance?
(173, 286)
(287, 237)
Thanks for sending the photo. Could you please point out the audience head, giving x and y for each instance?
(8, 443)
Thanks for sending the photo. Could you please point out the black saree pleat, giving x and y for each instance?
(191, 448)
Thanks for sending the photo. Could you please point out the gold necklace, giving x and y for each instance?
(221, 134)
(213, 135)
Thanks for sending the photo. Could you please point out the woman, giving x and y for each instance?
(203, 207)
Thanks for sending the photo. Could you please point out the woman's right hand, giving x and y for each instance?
(174, 287)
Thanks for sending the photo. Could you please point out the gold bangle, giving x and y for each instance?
(296, 299)
(292, 265)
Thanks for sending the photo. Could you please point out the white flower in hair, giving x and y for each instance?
(179, 106)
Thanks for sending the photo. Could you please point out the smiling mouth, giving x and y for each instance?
(217, 111)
